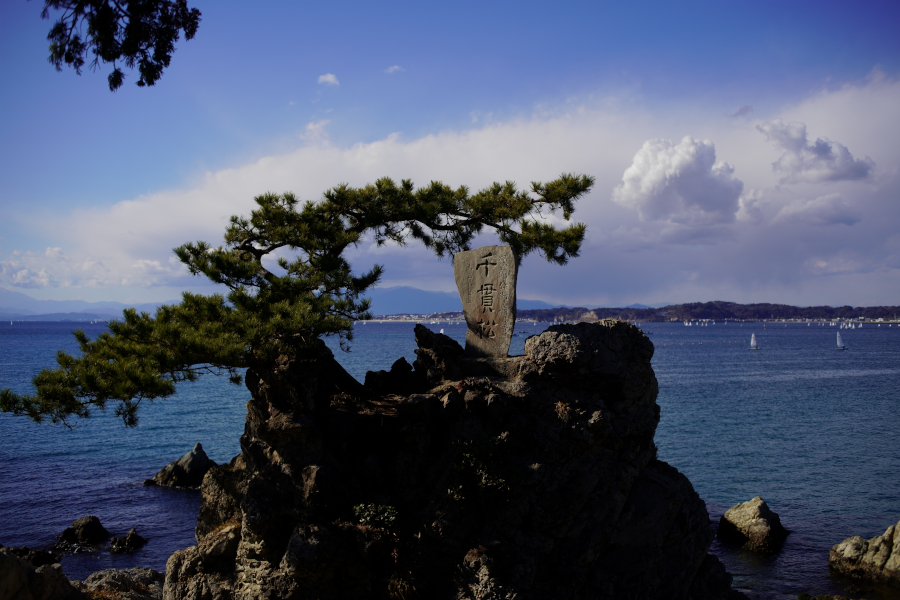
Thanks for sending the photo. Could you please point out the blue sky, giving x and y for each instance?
(744, 151)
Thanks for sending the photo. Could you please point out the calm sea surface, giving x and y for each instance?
(812, 430)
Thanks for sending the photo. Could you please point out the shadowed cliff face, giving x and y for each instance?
(523, 477)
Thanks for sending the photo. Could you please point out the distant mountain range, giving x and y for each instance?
(385, 301)
(405, 300)
(18, 306)
(15, 306)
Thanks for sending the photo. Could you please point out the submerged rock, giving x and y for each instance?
(876, 560)
(529, 477)
(124, 584)
(753, 525)
(187, 471)
(128, 542)
(20, 580)
(83, 535)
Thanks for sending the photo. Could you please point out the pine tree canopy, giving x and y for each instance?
(289, 284)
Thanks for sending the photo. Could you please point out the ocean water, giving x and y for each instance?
(810, 429)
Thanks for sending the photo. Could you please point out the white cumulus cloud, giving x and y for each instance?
(394, 69)
(680, 183)
(832, 209)
(820, 161)
(329, 79)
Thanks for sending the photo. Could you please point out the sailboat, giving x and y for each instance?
(840, 343)
(753, 344)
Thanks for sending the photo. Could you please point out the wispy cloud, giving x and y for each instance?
(821, 161)
(743, 111)
(832, 209)
(329, 79)
(315, 131)
(394, 69)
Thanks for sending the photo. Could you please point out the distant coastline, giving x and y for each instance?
(694, 311)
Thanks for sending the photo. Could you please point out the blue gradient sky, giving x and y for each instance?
(96, 188)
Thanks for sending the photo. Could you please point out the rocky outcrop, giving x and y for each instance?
(36, 558)
(187, 471)
(128, 542)
(84, 534)
(527, 477)
(876, 560)
(123, 584)
(19, 580)
(754, 526)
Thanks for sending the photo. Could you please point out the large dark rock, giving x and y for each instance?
(527, 477)
(876, 560)
(123, 584)
(187, 471)
(20, 580)
(84, 532)
(754, 526)
(129, 542)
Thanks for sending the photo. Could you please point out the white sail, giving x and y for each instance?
(753, 344)
(840, 342)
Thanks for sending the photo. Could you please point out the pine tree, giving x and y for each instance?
(139, 33)
(270, 313)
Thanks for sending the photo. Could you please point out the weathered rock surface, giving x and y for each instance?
(187, 471)
(36, 558)
(124, 584)
(486, 280)
(19, 580)
(85, 531)
(128, 542)
(753, 525)
(877, 559)
(527, 477)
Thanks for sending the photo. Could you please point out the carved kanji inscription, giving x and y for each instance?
(486, 280)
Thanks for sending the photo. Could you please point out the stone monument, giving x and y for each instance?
(486, 280)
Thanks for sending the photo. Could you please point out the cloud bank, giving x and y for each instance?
(667, 221)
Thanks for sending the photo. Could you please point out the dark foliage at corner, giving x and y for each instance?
(136, 33)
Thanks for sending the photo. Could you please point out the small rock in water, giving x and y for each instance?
(877, 559)
(86, 531)
(187, 471)
(36, 558)
(753, 525)
(128, 542)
